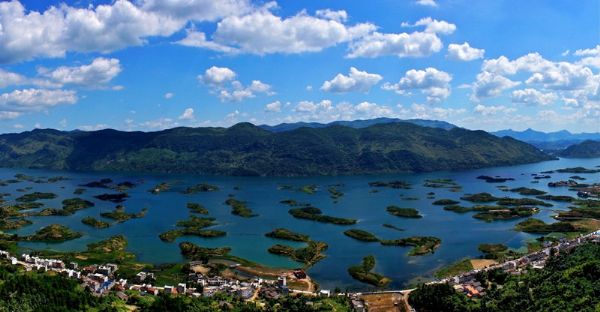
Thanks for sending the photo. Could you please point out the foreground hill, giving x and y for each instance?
(585, 149)
(245, 149)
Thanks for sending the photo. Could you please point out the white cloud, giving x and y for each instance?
(96, 74)
(430, 3)
(197, 39)
(533, 97)
(415, 44)
(273, 107)
(371, 109)
(588, 52)
(338, 16)
(10, 79)
(217, 75)
(434, 83)
(169, 95)
(490, 85)
(35, 99)
(95, 127)
(356, 81)
(433, 26)
(492, 109)
(422, 111)
(5, 115)
(188, 114)
(261, 32)
(238, 92)
(197, 10)
(326, 111)
(63, 123)
(464, 52)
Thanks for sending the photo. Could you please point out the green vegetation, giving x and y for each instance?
(442, 183)
(197, 208)
(421, 244)
(286, 234)
(577, 170)
(93, 222)
(492, 251)
(361, 235)
(71, 205)
(200, 188)
(496, 179)
(391, 184)
(13, 224)
(454, 269)
(445, 202)
(240, 208)
(54, 233)
(559, 198)
(540, 227)
(458, 208)
(363, 272)
(527, 191)
(308, 255)
(309, 189)
(403, 212)
(507, 201)
(193, 226)
(315, 214)
(334, 192)
(79, 191)
(195, 252)
(120, 215)
(568, 282)
(502, 213)
(31, 197)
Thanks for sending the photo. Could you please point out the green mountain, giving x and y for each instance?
(585, 149)
(245, 149)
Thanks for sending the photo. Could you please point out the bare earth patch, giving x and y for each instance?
(482, 263)
(392, 302)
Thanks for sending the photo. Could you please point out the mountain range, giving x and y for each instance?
(549, 140)
(357, 124)
(246, 149)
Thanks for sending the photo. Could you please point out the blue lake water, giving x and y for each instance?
(460, 233)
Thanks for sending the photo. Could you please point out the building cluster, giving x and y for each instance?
(467, 282)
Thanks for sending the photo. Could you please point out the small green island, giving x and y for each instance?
(115, 198)
(195, 226)
(361, 235)
(240, 208)
(363, 272)
(483, 197)
(53, 233)
(315, 214)
(540, 227)
(403, 212)
(445, 202)
(421, 244)
(197, 208)
(120, 215)
(192, 251)
(159, 188)
(200, 188)
(93, 222)
(527, 191)
(282, 233)
(494, 213)
(31, 197)
(308, 255)
(391, 184)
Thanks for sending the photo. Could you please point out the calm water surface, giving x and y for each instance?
(460, 233)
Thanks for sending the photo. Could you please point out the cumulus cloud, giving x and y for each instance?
(356, 81)
(35, 99)
(99, 72)
(6, 115)
(197, 39)
(169, 95)
(415, 44)
(188, 114)
(262, 32)
(10, 79)
(274, 107)
(326, 111)
(489, 85)
(588, 52)
(533, 97)
(217, 75)
(434, 83)
(464, 52)
(196, 10)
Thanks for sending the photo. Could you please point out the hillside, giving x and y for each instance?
(585, 149)
(245, 149)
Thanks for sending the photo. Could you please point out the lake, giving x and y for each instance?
(460, 233)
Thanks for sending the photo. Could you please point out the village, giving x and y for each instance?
(100, 279)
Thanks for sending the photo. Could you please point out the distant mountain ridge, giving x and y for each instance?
(357, 124)
(548, 140)
(245, 149)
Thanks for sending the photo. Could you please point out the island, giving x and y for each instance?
(193, 226)
(363, 272)
(315, 214)
(445, 202)
(120, 215)
(93, 222)
(527, 191)
(53, 233)
(197, 208)
(421, 244)
(308, 255)
(403, 212)
(540, 227)
(199, 188)
(391, 184)
(115, 198)
(240, 208)
(31, 197)
(361, 235)
(282, 233)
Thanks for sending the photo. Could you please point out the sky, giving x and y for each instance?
(154, 64)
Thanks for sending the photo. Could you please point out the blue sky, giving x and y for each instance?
(154, 64)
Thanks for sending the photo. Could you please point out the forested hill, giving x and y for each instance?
(585, 149)
(245, 149)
